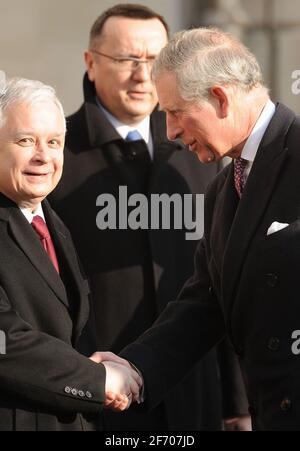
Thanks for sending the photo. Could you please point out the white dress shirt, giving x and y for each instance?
(143, 128)
(29, 215)
(253, 142)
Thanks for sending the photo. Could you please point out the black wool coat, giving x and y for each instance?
(45, 384)
(245, 282)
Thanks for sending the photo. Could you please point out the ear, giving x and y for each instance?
(90, 65)
(220, 96)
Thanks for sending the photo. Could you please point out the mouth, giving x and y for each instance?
(138, 94)
(36, 175)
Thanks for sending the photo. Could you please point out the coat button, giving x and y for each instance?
(81, 394)
(89, 395)
(274, 344)
(286, 405)
(132, 155)
(272, 280)
(74, 392)
(68, 390)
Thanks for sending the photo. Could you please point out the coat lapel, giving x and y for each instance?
(30, 244)
(224, 213)
(258, 191)
(69, 261)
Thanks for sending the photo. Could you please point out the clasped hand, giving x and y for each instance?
(123, 383)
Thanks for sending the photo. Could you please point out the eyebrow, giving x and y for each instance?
(21, 133)
(170, 109)
(136, 55)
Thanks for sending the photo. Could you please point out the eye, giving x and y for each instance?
(55, 142)
(26, 142)
(173, 113)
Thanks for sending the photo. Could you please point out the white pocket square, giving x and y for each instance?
(276, 227)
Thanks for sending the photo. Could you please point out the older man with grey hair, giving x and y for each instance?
(246, 280)
(45, 384)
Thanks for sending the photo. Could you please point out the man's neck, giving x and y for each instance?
(258, 100)
(132, 121)
(29, 213)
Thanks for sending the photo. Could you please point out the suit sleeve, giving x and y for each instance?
(235, 401)
(186, 330)
(43, 372)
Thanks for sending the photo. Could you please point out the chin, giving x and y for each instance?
(140, 107)
(40, 194)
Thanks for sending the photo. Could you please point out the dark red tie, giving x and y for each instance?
(42, 230)
(239, 175)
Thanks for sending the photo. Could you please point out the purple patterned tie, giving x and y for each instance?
(239, 175)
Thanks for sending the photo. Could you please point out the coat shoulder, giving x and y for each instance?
(77, 130)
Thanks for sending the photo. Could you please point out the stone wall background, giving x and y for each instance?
(45, 39)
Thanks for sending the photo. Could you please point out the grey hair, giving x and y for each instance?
(205, 57)
(16, 90)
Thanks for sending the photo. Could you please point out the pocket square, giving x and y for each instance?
(276, 227)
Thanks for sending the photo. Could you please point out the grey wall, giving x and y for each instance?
(46, 39)
(271, 28)
(274, 35)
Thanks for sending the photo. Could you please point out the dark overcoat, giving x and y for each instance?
(45, 384)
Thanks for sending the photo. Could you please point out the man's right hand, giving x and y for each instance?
(123, 383)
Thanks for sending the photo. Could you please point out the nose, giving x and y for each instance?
(174, 130)
(142, 72)
(42, 154)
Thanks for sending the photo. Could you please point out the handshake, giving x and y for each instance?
(123, 384)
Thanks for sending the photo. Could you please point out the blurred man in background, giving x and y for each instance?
(118, 138)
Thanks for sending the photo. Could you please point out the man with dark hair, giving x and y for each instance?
(118, 139)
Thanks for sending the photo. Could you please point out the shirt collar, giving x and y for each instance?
(252, 144)
(143, 127)
(29, 215)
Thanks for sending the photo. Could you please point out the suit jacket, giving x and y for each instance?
(45, 384)
(135, 273)
(245, 282)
